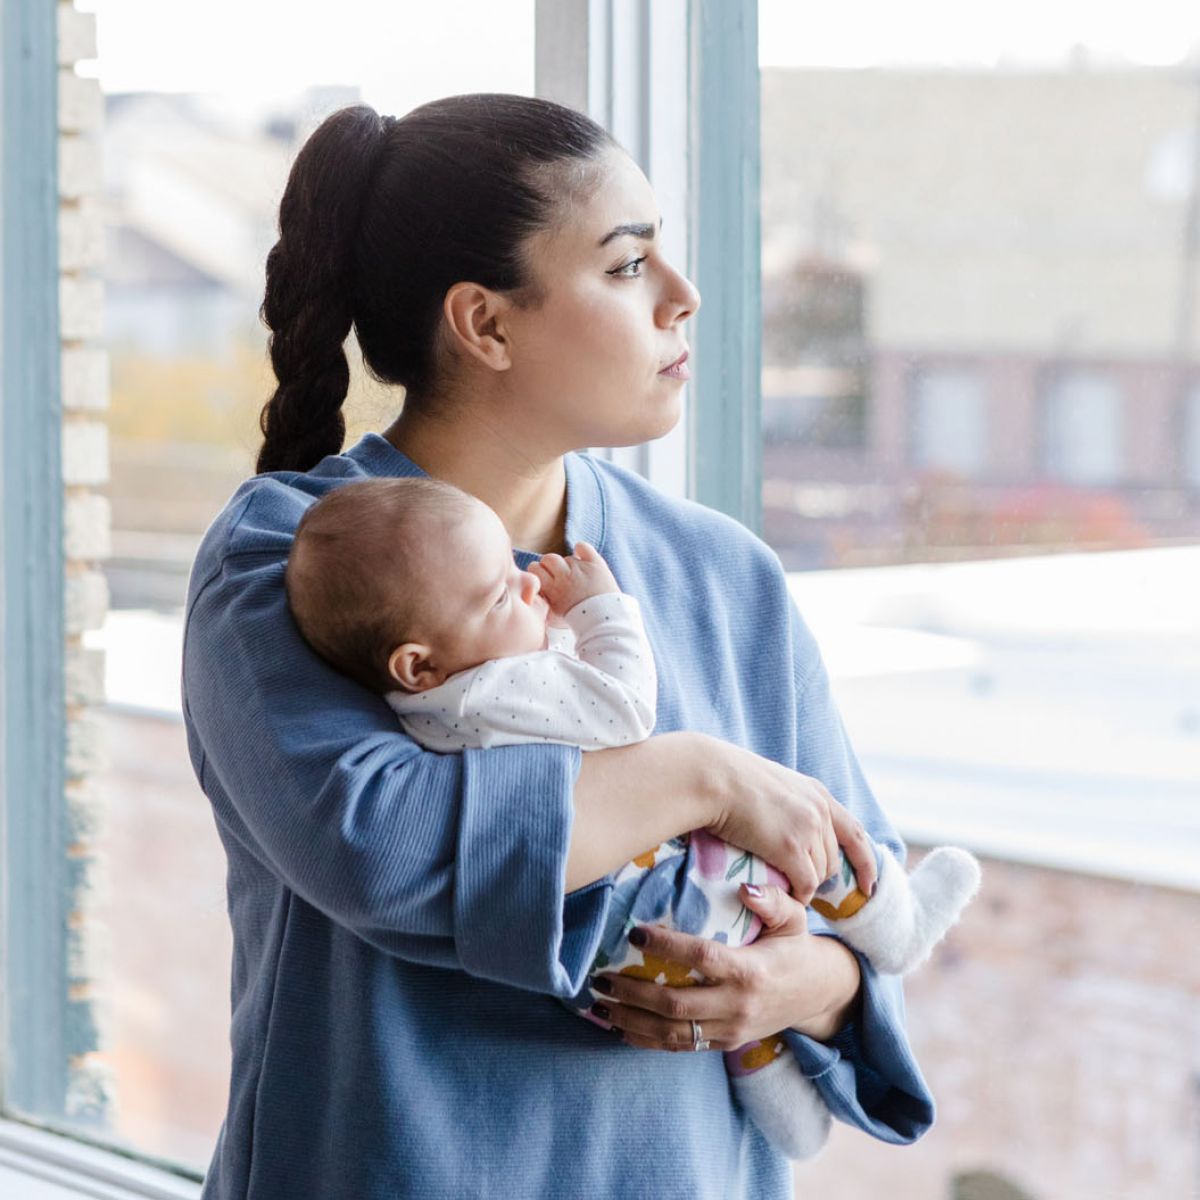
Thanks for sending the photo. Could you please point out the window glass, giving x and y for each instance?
(1191, 443)
(205, 108)
(1081, 428)
(981, 466)
(949, 420)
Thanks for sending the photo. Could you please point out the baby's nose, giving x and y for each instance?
(530, 586)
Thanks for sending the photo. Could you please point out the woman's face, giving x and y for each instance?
(587, 365)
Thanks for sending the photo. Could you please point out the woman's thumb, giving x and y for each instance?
(777, 910)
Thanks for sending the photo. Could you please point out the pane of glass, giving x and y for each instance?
(1082, 434)
(201, 128)
(1192, 438)
(981, 462)
(949, 421)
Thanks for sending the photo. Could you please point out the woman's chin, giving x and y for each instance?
(649, 428)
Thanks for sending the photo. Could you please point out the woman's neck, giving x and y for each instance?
(529, 495)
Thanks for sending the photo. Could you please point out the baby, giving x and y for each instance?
(486, 661)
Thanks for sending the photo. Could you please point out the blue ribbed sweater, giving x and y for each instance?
(399, 920)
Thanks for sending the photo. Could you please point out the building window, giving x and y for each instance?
(1007, 624)
(1191, 438)
(949, 421)
(1081, 428)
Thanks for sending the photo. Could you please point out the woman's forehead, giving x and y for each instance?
(624, 195)
(620, 198)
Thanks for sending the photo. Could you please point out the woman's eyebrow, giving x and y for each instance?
(639, 231)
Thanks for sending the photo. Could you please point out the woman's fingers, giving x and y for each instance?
(833, 853)
(660, 1018)
(857, 845)
(804, 878)
(675, 1041)
(779, 912)
(676, 1004)
(820, 873)
(711, 960)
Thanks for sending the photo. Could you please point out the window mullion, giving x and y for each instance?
(624, 63)
(726, 446)
(32, 716)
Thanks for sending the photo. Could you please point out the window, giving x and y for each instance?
(196, 152)
(949, 421)
(193, 177)
(1191, 442)
(1082, 428)
(996, 566)
(935, 202)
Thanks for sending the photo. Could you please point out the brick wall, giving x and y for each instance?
(1059, 1027)
(86, 544)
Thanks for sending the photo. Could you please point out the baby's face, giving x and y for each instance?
(489, 607)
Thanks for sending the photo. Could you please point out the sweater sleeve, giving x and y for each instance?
(867, 1074)
(453, 860)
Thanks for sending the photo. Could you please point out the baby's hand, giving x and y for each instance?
(567, 581)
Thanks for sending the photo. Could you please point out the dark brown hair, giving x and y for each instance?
(357, 577)
(380, 217)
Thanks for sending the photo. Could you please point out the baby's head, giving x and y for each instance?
(401, 583)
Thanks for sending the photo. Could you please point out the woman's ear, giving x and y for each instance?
(413, 668)
(475, 324)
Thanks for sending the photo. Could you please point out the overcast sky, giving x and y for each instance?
(403, 52)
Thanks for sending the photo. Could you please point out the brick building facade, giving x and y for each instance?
(86, 541)
(1059, 1027)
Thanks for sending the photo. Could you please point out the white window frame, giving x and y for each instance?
(677, 83)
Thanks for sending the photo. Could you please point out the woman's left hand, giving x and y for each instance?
(788, 977)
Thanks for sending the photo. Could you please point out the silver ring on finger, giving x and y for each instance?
(698, 1039)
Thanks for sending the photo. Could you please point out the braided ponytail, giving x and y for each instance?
(308, 302)
(380, 218)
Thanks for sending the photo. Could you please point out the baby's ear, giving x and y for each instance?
(412, 669)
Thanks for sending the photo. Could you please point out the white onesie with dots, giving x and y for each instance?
(605, 694)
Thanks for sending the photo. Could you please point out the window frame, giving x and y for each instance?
(725, 442)
(691, 122)
(681, 75)
(33, 914)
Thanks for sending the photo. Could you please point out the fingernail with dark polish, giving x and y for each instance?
(600, 984)
(637, 937)
(601, 1011)
(873, 887)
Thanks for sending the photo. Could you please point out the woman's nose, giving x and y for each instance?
(681, 299)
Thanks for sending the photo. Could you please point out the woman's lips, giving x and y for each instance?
(678, 369)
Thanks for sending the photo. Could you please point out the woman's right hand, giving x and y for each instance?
(787, 819)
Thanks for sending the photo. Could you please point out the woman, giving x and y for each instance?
(402, 918)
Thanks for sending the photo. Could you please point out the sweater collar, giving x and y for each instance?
(585, 499)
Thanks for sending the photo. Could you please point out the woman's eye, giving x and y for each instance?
(628, 271)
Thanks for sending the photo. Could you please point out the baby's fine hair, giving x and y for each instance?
(357, 576)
